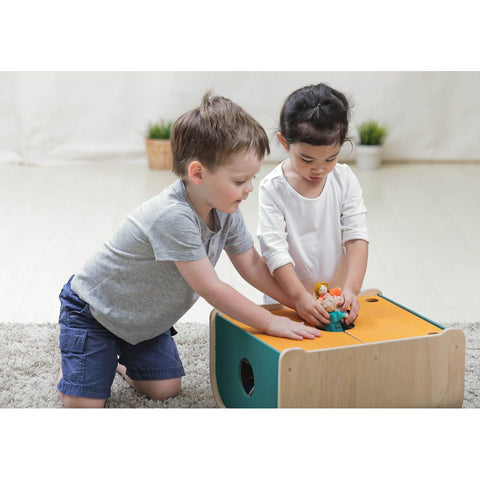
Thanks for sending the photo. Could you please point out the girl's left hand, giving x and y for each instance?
(350, 301)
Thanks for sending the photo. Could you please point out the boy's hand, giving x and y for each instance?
(350, 301)
(311, 310)
(284, 327)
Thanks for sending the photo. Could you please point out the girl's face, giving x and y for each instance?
(312, 163)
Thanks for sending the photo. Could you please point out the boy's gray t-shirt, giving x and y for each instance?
(132, 285)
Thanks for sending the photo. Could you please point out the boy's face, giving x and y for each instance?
(226, 187)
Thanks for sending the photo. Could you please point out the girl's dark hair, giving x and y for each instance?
(315, 114)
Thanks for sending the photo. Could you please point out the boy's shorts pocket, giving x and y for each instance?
(72, 345)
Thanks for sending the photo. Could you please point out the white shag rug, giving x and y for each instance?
(30, 360)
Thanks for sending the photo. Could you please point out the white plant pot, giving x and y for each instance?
(369, 157)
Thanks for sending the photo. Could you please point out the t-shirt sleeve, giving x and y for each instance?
(238, 239)
(176, 236)
(354, 213)
(271, 232)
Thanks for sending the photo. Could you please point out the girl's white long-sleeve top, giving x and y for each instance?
(310, 233)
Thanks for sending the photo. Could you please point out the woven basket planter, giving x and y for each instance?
(159, 154)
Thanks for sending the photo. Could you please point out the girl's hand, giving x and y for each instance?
(350, 301)
(311, 310)
(286, 328)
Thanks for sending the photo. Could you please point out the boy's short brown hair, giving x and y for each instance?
(213, 132)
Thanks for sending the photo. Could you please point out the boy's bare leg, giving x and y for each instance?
(79, 402)
(122, 370)
(154, 389)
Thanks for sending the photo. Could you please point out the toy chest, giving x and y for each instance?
(392, 357)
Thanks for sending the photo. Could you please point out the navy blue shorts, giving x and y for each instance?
(90, 352)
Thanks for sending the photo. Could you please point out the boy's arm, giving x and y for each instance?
(285, 287)
(253, 268)
(356, 266)
(202, 278)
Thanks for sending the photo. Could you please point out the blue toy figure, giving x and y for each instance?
(336, 324)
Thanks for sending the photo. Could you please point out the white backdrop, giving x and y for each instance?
(70, 116)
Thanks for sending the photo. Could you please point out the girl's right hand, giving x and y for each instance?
(311, 310)
(286, 328)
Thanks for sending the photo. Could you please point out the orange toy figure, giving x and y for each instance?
(329, 299)
(324, 293)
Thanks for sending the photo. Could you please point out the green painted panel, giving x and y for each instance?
(234, 345)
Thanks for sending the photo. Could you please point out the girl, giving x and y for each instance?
(312, 218)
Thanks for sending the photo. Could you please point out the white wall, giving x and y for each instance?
(62, 116)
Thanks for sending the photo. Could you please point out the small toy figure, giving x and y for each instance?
(329, 299)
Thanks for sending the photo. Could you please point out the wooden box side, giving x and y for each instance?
(415, 372)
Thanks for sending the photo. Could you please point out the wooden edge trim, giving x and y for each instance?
(213, 373)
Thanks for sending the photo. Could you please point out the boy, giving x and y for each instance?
(121, 307)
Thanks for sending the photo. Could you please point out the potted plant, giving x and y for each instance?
(371, 138)
(157, 141)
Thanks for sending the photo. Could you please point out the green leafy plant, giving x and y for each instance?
(371, 133)
(160, 131)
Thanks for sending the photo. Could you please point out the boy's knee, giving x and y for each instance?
(81, 402)
(159, 389)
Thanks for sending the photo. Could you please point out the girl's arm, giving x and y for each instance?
(272, 236)
(356, 266)
(306, 305)
(202, 278)
(253, 268)
(285, 287)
